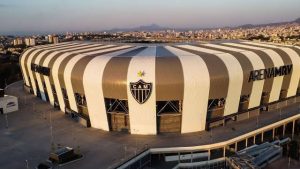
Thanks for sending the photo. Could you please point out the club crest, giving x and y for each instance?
(141, 91)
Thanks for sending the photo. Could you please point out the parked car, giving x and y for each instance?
(45, 165)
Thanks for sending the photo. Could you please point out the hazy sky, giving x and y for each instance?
(94, 15)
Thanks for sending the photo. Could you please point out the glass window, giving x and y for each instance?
(64, 93)
(116, 105)
(80, 99)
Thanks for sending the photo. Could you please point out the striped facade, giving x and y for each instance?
(191, 84)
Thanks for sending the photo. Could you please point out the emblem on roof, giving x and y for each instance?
(141, 91)
(141, 73)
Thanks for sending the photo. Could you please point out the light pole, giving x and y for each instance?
(33, 107)
(51, 130)
(211, 136)
(26, 163)
(280, 113)
(25, 99)
(136, 141)
(73, 135)
(125, 149)
(6, 120)
(257, 121)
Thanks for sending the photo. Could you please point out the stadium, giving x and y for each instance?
(169, 88)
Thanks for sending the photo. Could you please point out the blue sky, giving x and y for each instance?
(94, 15)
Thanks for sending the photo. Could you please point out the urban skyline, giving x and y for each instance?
(31, 17)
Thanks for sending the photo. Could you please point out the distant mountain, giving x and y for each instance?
(152, 27)
(297, 20)
(269, 24)
(155, 27)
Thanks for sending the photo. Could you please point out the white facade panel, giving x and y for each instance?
(24, 55)
(70, 66)
(235, 73)
(38, 76)
(46, 78)
(277, 61)
(257, 63)
(295, 76)
(29, 62)
(196, 91)
(46, 64)
(142, 116)
(92, 83)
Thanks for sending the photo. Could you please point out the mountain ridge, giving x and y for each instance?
(155, 27)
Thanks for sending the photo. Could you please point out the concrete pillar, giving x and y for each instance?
(246, 142)
(180, 105)
(283, 131)
(273, 134)
(224, 151)
(254, 139)
(208, 154)
(262, 137)
(235, 147)
(293, 130)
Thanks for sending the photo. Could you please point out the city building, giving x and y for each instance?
(52, 39)
(55, 39)
(17, 41)
(30, 41)
(49, 38)
(151, 89)
(8, 103)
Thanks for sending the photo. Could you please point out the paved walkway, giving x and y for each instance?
(28, 136)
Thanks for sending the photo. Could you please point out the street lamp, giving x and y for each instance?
(125, 149)
(280, 113)
(5, 83)
(26, 163)
(6, 120)
(51, 130)
(257, 121)
(136, 141)
(211, 135)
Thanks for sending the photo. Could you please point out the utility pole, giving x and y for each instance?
(5, 83)
(6, 120)
(125, 149)
(33, 107)
(25, 99)
(211, 136)
(136, 142)
(26, 163)
(51, 127)
(280, 113)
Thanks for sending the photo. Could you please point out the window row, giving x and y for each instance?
(162, 107)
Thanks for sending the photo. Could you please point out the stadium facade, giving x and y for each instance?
(170, 88)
